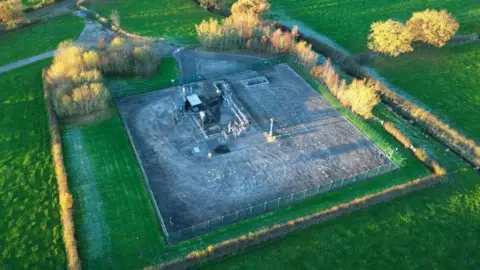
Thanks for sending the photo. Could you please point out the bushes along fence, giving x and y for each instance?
(65, 197)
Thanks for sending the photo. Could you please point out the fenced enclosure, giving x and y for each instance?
(191, 221)
(396, 159)
(272, 205)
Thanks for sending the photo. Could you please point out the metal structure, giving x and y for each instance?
(397, 161)
(257, 81)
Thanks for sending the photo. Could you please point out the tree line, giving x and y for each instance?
(75, 77)
(430, 26)
(245, 29)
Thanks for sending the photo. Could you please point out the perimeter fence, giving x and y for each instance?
(395, 161)
(275, 204)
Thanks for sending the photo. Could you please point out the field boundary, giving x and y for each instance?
(243, 242)
(277, 203)
(65, 197)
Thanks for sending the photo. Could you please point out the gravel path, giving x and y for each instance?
(27, 61)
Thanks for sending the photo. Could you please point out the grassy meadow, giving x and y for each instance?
(173, 20)
(38, 38)
(347, 22)
(433, 228)
(30, 228)
(447, 80)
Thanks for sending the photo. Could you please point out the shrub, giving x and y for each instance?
(11, 12)
(443, 132)
(398, 134)
(75, 81)
(304, 55)
(433, 27)
(115, 18)
(244, 29)
(91, 59)
(209, 33)
(123, 57)
(66, 200)
(256, 7)
(390, 37)
(360, 96)
(75, 77)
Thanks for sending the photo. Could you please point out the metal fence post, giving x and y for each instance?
(208, 224)
(251, 209)
(278, 202)
(304, 194)
(291, 199)
(222, 218)
(378, 171)
(265, 207)
(354, 178)
(236, 216)
(343, 181)
(318, 189)
(366, 175)
(193, 228)
(330, 188)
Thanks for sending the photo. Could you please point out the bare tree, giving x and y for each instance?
(115, 17)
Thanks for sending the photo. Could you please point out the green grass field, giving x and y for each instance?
(347, 22)
(38, 38)
(113, 215)
(447, 80)
(173, 20)
(436, 228)
(115, 223)
(30, 229)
